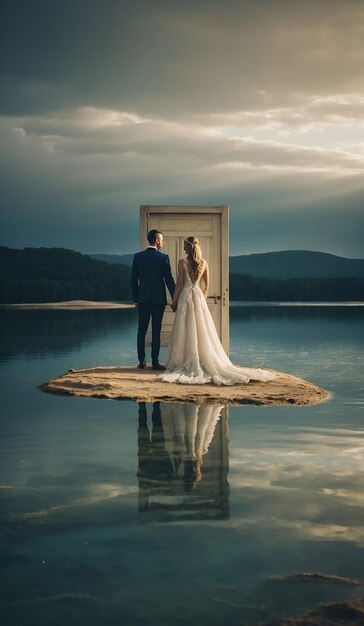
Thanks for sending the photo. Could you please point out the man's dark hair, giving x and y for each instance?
(152, 236)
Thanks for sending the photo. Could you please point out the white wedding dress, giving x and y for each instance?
(188, 429)
(195, 354)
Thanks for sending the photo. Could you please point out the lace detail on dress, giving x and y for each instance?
(195, 354)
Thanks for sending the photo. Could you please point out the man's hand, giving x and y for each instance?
(174, 307)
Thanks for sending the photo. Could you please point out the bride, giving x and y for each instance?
(195, 354)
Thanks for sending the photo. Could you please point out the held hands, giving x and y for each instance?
(174, 306)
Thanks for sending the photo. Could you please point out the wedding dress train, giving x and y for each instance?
(195, 354)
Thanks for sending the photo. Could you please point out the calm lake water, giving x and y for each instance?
(114, 512)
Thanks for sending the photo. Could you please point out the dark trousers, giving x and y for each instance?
(145, 311)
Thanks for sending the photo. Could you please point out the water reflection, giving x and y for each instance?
(53, 332)
(304, 311)
(39, 332)
(73, 548)
(183, 462)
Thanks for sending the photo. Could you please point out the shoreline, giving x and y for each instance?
(94, 304)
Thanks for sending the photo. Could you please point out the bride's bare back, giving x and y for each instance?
(199, 273)
(183, 266)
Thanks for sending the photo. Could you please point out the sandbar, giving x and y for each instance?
(130, 383)
(70, 304)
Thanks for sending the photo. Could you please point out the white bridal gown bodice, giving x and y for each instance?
(195, 354)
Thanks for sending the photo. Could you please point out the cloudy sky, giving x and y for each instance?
(109, 104)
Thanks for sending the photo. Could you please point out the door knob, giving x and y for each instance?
(215, 298)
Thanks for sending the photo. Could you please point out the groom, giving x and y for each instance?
(150, 273)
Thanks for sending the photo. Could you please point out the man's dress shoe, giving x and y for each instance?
(158, 366)
(142, 365)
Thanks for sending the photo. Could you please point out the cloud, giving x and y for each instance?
(128, 103)
(177, 59)
(91, 131)
(310, 488)
(73, 163)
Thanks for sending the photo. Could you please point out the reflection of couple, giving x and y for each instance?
(180, 437)
(188, 433)
(195, 353)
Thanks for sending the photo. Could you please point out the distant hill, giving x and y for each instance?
(125, 259)
(284, 264)
(296, 264)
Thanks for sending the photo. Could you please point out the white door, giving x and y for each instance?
(210, 225)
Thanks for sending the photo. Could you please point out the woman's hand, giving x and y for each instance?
(179, 285)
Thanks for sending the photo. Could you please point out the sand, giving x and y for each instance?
(70, 304)
(130, 383)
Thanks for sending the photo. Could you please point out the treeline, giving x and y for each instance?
(57, 274)
(245, 287)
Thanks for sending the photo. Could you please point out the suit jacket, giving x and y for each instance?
(150, 273)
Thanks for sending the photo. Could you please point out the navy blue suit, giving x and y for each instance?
(150, 273)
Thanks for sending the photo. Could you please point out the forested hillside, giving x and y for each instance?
(57, 274)
(245, 287)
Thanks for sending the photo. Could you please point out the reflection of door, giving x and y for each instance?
(210, 225)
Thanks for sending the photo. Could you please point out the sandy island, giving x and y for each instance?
(130, 383)
(70, 304)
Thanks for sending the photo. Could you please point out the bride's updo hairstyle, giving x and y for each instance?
(194, 255)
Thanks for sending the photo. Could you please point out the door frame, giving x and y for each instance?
(223, 210)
